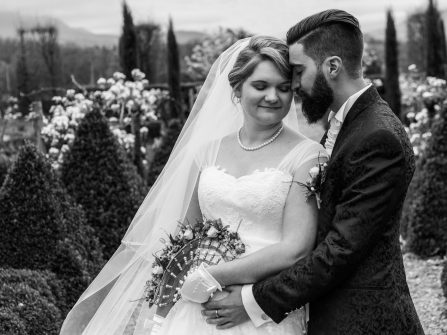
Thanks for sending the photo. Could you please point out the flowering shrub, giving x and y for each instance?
(422, 99)
(118, 99)
(204, 54)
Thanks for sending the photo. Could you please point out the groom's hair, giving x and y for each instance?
(332, 32)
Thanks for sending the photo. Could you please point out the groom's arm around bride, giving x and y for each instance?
(354, 279)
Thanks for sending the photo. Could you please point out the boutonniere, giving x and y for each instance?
(313, 185)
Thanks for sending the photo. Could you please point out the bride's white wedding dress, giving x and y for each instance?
(255, 200)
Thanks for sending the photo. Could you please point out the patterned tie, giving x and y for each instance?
(334, 129)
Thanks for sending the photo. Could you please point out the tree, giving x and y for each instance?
(99, 176)
(49, 47)
(128, 43)
(35, 211)
(416, 42)
(392, 89)
(23, 77)
(148, 37)
(174, 74)
(204, 54)
(435, 54)
(427, 219)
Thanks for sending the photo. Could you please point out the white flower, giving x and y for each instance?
(157, 270)
(144, 130)
(79, 97)
(188, 234)
(70, 93)
(101, 82)
(54, 152)
(411, 115)
(65, 148)
(212, 232)
(314, 172)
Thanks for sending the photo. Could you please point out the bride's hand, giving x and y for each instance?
(199, 285)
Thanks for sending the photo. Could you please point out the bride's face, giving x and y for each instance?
(266, 95)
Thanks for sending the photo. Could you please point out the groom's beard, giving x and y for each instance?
(316, 104)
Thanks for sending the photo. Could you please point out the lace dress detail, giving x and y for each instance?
(254, 203)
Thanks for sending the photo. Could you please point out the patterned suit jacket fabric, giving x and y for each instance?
(354, 279)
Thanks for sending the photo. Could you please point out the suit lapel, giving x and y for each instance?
(369, 97)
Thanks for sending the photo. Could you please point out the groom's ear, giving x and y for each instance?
(334, 65)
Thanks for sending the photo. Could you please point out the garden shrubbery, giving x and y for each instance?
(427, 212)
(444, 279)
(162, 155)
(28, 303)
(42, 229)
(99, 176)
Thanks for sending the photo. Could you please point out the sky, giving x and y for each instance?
(272, 17)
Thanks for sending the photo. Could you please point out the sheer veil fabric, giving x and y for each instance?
(114, 302)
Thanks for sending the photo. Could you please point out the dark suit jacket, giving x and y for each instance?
(354, 279)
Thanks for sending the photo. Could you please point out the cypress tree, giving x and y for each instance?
(416, 42)
(174, 73)
(435, 61)
(42, 228)
(128, 44)
(23, 76)
(148, 47)
(99, 176)
(392, 89)
(427, 219)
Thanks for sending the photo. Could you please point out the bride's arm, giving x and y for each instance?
(298, 238)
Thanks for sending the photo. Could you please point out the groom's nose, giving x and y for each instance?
(296, 82)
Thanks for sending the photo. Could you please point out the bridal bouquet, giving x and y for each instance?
(208, 241)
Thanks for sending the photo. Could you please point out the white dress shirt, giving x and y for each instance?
(336, 119)
(256, 314)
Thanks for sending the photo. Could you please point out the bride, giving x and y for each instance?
(239, 158)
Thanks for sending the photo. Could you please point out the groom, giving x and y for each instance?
(354, 280)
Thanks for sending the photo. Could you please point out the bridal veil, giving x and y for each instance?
(114, 302)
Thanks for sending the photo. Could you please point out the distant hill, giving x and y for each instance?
(10, 22)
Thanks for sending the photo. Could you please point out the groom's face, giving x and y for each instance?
(309, 84)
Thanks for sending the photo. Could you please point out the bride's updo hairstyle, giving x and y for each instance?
(259, 49)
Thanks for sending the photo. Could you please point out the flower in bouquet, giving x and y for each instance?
(181, 254)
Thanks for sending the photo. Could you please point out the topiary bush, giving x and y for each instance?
(11, 323)
(24, 309)
(162, 155)
(427, 217)
(410, 199)
(4, 165)
(46, 282)
(444, 279)
(43, 229)
(99, 176)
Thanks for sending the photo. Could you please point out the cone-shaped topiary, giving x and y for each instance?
(427, 223)
(11, 323)
(45, 282)
(38, 316)
(42, 229)
(162, 155)
(444, 279)
(100, 177)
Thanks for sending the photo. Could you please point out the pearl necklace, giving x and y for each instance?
(270, 140)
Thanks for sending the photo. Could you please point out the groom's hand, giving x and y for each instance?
(230, 310)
